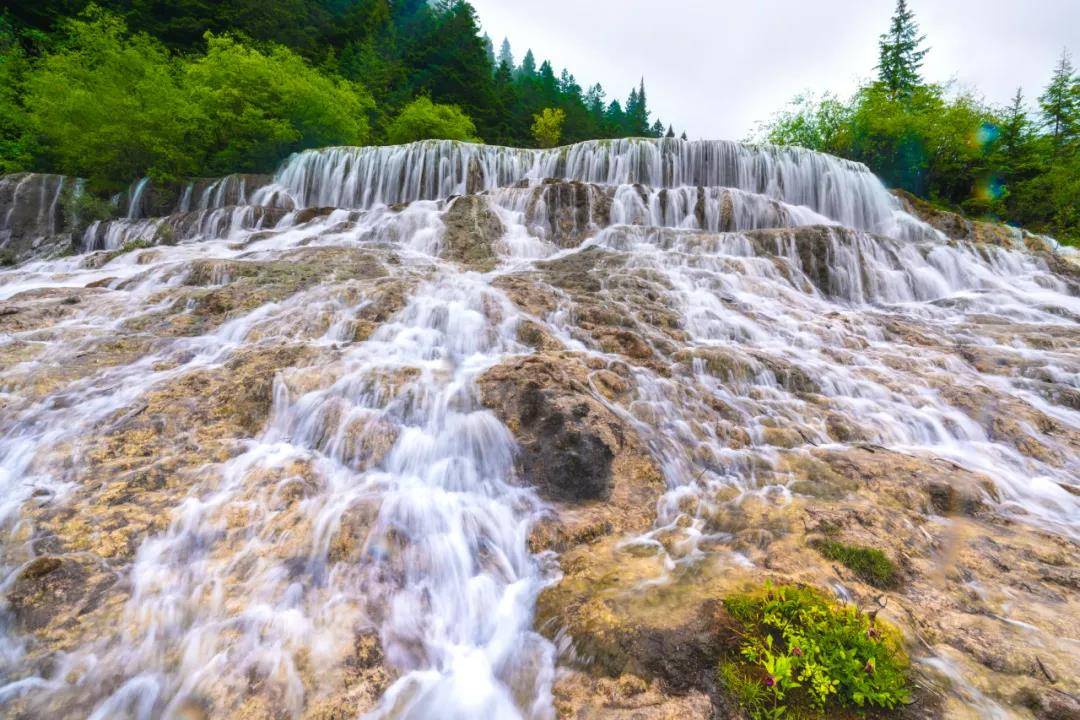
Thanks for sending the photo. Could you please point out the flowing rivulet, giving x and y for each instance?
(290, 446)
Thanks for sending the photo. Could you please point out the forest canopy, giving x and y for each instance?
(125, 88)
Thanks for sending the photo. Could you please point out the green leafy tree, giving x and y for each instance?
(900, 53)
(262, 106)
(16, 141)
(547, 127)
(447, 61)
(423, 120)
(810, 122)
(397, 50)
(109, 106)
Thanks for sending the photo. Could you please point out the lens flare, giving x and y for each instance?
(986, 134)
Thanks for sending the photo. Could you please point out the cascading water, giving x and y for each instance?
(257, 458)
(838, 189)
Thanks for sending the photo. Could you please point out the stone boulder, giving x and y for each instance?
(472, 229)
(32, 219)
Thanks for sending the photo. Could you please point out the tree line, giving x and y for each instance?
(123, 88)
(1010, 163)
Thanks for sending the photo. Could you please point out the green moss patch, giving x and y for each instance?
(802, 655)
(872, 566)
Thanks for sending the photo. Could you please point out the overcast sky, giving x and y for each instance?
(716, 67)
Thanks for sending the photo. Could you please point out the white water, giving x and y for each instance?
(444, 577)
(363, 177)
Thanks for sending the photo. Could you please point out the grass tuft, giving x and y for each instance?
(872, 566)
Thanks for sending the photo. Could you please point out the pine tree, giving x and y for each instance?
(615, 119)
(1014, 125)
(683, 136)
(505, 55)
(594, 100)
(568, 84)
(528, 64)
(657, 129)
(670, 132)
(901, 53)
(637, 112)
(1060, 105)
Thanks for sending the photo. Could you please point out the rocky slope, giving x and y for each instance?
(452, 431)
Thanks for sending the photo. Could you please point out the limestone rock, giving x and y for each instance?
(472, 230)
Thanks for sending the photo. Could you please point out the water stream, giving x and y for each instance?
(243, 597)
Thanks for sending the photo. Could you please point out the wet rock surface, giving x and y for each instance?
(329, 460)
(472, 230)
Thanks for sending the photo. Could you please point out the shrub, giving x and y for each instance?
(424, 120)
(802, 655)
(872, 566)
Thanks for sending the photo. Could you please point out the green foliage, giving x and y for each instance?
(111, 106)
(422, 120)
(547, 127)
(129, 246)
(257, 107)
(16, 143)
(952, 148)
(872, 566)
(1060, 105)
(802, 655)
(205, 88)
(81, 209)
(809, 122)
(900, 54)
(108, 105)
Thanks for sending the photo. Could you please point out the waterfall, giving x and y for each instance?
(841, 190)
(135, 208)
(261, 455)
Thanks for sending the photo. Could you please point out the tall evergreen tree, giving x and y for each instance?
(900, 53)
(528, 64)
(616, 118)
(1060, 105)
(637, 112)
(489, 48)
(670, 132)
(1015, 129)
(505, 54)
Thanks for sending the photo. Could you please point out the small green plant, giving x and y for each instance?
(129, 246)
(7, 257)
(802, 655)
(872, 566)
